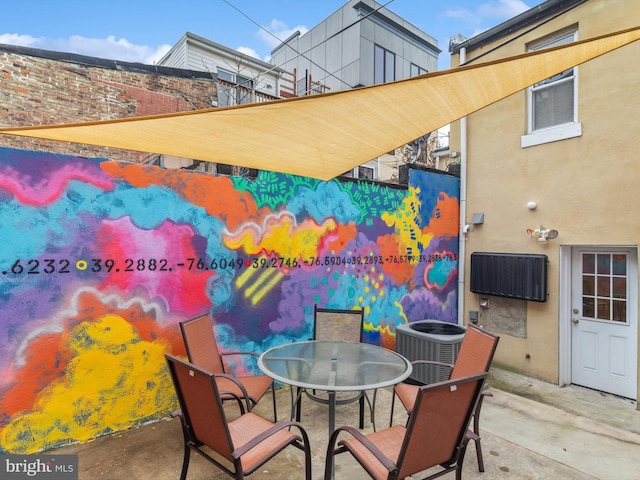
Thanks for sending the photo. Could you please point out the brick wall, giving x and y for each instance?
(36, 90)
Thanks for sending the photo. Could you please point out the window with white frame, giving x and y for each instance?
(366, 173)
(384, 65)
(552, 105)
(235, 89)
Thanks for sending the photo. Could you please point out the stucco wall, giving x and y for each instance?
(585, 187)
(100, 260)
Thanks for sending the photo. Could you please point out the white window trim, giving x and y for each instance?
(552, 134)
(557, 132)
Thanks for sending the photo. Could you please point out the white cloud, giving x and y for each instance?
(17, 39)
(249, 52)
(108, 48)
(279, 32)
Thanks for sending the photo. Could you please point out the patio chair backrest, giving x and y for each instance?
(336, 324)
(200, 341)
(476, 352)
(201, 405)
(438, 424)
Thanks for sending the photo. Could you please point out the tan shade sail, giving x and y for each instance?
(323, 136)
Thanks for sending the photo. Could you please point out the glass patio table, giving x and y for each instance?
(334, 366)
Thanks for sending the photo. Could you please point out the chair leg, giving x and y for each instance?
(393, 401)
(275, 410)
(372, 406)
(187, 449)
(298, 403)
(185, 462)
(361, 416)
(461, 454)
(479, 455)
(476, 429)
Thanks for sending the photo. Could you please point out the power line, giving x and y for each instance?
(303, 54)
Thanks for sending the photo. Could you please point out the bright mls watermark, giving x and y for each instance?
(39, 467)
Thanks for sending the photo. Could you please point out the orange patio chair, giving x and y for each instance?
(202, 349)
(339, 324)
(237, 447)
(435, 435)
(475, 356)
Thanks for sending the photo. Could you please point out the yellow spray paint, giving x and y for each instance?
(114, 380)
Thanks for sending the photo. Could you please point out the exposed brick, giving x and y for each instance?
(41, 91)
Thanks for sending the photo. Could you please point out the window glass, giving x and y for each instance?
(384, 65)
(365, 173)
(604, 286)
(416, 70)
(552, 101)
(227, 76)
(378, 62)
(389, 66)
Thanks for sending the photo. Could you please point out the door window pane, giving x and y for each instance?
(588, 263)
(619, 287)
(604, 291)
(619, 311)
(604, 285)
(604, 264)
(619, 264)
(603, 309)
(588, 304)
(588, 285)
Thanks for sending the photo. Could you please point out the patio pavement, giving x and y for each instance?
(530, 430)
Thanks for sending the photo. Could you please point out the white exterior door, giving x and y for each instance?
(604, 316)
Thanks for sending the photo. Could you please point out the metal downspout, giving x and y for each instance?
(463, 208)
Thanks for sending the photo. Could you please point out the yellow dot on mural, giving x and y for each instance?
(381, 277)
(366, 290)
(81, 265)
(373, 298)
(360, 299)
(381, 293)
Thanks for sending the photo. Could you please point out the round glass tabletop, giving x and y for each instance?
(335, 365)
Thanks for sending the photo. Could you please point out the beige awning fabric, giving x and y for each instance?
(323, 136)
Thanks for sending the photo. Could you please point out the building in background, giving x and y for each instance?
(44, 87)
(240, 78)
(360, 44)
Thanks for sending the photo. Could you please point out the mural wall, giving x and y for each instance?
(100, 260)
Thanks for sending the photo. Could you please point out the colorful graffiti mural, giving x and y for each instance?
(100, 260)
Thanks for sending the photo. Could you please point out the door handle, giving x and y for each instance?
(575, 321)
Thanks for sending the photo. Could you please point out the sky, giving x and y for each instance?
(143, 31)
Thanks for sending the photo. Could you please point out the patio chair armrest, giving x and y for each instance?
(368, 444)
(238, 452)
(431, 362)
(237, 398)
(224, 354)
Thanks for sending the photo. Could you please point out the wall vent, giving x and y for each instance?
(512, 275)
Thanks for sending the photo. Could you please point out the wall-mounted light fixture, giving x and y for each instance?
(477, 219)
(542, 234)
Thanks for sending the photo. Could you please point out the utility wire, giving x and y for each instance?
(303, 54)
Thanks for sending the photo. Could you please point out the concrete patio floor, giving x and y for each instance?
(530, 430)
